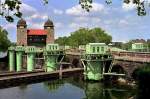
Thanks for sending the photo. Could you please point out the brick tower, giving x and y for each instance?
(21, 32)
(35, 37)
(49, 27)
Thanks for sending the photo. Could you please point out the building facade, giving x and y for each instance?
(35, 37)
(140, 47)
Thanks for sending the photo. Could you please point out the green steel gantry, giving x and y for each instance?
(96, 60)
(50, 54)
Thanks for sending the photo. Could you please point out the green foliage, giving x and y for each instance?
(127, 46)
(9, 9)
(142, 76)
(62, 40)
(84, 36)
(148, 43)
(13, 7)
(4, 41)
(87, 5)
(141, 72)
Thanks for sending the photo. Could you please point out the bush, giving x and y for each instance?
(143, 81)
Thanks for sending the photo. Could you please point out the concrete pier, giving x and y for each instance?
(11, 58)
(30, 58)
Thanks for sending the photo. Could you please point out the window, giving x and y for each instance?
(56, 47)
(97, 49)
(102, 49)
(93, 49)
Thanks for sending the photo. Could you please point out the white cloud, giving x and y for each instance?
(37, 25)
(73, 25)
(9, 26)
(128, 7)
(30, 13)
(27, 10)
(59, 25)
(108, 22)
(96, 19)
(78, 11)
(39, 16)
(77, 25)
(81, 19)
(123, 22)
(87, 19)
(57, 11)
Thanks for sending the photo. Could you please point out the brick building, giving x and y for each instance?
(35, 37)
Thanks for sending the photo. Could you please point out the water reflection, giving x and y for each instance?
(52, 86)
(94, 90)
(72, 88)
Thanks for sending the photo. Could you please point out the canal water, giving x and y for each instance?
(70, 88)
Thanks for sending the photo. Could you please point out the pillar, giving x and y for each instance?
(51, 63)
(19, 60)
(30, 61)
(94, 70)
(11, 60)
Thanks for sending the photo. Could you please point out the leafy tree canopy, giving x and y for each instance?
(4, 41)
(13, 7)
(84, 36)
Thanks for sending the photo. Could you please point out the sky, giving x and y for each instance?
(118, 19)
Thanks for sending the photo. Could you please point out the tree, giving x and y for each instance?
(127, 46)
(4, 41)
(84, 36)
(148, 43)
(86, 4)
(11, 8)
(62, 40)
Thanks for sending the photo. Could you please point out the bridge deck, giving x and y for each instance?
(133, 59)
(142, 57)
(22, 77)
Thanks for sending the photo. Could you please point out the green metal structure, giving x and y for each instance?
(140, 47)
(11, 58)
(31, 51)
(51, 54)
(19, 52)
(96, 61)
(31, 57)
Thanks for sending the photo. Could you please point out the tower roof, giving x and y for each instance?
(21, 22)
(36, 32)
(48, 23)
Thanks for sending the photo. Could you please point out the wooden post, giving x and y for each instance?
(60, 71)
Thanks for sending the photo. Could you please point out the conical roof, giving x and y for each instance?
(48, 23)
(21, 22)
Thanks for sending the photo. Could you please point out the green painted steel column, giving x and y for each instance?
(11, 60)
(94, 71)
(30, 61)
(51, 63)
(19, 60)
